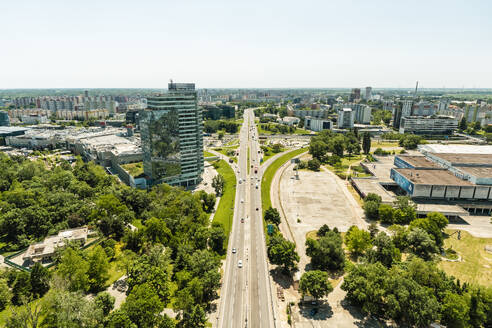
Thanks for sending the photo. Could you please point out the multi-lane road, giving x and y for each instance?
(245, 294)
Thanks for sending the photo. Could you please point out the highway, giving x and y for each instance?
(245, 293)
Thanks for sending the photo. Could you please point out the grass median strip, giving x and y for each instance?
(266, 181)
(225, 209)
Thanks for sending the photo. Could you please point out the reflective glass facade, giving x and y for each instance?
(172, 136)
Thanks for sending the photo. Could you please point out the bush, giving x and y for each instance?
(314, 164)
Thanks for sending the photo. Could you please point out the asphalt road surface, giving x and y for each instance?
(245, 293)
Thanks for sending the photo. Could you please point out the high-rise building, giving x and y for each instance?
(172, 136)
(368, 93)
(354, 95)
(4, 118)
(346, 118)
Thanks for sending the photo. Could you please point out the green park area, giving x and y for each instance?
(266, 181)
(474, 262)
(274, 128)
(228, 151)
(225, 209)
(271, 150)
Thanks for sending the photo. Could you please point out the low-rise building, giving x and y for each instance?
(46, 249)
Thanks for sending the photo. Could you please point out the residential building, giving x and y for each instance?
(172, 136)
(317, 124)
(346, 118)
(318, 113)
(368, 93)
(362, 113)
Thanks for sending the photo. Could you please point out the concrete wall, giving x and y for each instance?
(452, 191)
(422, 191)
(438, 191)
(466, 192)
(481, 192)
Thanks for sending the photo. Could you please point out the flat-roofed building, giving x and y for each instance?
(442, 125)
(316, 124)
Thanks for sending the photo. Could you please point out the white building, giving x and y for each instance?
(346, 118)
(317, 124)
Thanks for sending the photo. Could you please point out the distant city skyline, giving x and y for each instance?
(248, 44)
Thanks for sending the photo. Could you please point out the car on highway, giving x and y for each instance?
(240, 181)
(257, 208)
(234, 250)
(242, 220)
(242, 200)
(256, 185)
(240, 264)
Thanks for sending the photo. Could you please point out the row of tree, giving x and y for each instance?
(212, 126)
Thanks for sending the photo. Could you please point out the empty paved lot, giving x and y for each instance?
(317, 198)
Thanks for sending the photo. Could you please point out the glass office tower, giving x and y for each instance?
(172, 136)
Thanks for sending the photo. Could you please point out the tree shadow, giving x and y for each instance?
(281, 278)
(363, 320)
(320, 311)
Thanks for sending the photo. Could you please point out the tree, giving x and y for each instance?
(73, 268)
(40, 279)
(371, 209)
(430, 227)
(455, 311)
(357, 240)
(5, 294)
(217, 238)
(208, 201)
(221, 135)
(463, 124)
(282, 252)
(317, 149)
(384, 252)
(323, 230)
(439, 219)
(386, 213)
(111, 215)
(326, 253)
(314, 164)
(105, 302)
(66, 309)
(373, 197)
(366, 143)
(156, 231)
(421, 244)
(193, 318)
(21, 288)
(98, 270)
(272, 215)
(315, 283)
(142, 306)
(25, 316)
(119, 319)
(218, 183)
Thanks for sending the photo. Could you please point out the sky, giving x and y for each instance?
(245, 43)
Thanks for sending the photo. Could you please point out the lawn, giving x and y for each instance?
(226, 151)
(266, 181)
(269, 153)
(225, 209)
(341, 170)
(476, 263)
(384, 144)
(208, 154)
(135, 169)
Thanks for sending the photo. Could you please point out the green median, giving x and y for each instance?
(225, 209)
(266, 181)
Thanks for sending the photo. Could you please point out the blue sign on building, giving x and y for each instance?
(403, 182)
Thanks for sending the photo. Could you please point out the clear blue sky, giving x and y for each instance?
(245, 43)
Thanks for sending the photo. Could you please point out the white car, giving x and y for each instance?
(242, 200)
(234, 250)
(240, 264)
(240, 181)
